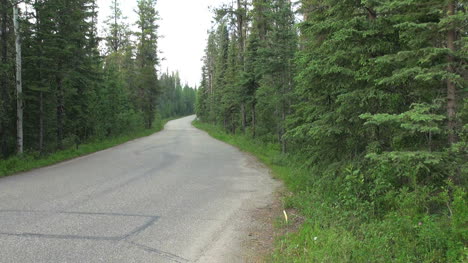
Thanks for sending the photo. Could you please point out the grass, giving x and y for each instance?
(266, 153)
(283, 167)
(29, 161)
(338, 227)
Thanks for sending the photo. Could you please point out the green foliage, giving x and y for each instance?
(73, 95)
(247, 81)
(118, 35)
(147, 88)
(175, 100)
(369, 103)
(355, 212)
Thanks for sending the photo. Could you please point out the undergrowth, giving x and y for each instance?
(354, 212)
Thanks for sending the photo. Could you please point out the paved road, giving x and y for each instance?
(175, 196)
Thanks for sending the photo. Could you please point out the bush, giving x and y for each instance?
(368, 209)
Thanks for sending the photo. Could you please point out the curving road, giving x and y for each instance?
(175, 196)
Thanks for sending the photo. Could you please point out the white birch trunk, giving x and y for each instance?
(19, 88)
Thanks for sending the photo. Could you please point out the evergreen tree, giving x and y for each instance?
(118, 32)
(175, 100)
(71, 93)
(374, 90)
(255, 57)
(147, 59)
(203, 96)
(7, 123)
(276, 85)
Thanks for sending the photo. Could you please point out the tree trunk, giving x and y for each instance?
(3, 82)
(371, 14)
(243, 117)
(304, 10)
(242, 36)
(253, 119)
(283, 110)
(283, 130)
(41, 122)
(19, 88)
(41, 94)
(116, 42)
(60, 113)
(240, 29)
(151, 111)
(233, 124)
(451, 88)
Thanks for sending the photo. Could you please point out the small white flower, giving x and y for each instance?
(315, 238)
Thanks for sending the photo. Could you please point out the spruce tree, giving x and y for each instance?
(276, 85)
(117, 29)
(6, 81)
(147, 59)
(255, 58)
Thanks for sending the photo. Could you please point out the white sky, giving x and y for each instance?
(183, 27)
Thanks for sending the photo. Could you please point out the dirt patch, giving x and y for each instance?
(263, 232)
(268, 224)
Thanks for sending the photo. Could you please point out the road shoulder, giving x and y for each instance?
(250, 233)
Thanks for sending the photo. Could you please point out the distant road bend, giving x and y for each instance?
(175, 196)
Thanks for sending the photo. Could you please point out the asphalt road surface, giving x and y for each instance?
(175, 196)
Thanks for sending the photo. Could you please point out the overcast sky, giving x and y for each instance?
(183, 27)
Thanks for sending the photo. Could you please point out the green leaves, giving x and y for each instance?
(361, 98)
(420, 118)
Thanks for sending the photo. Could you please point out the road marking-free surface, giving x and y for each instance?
(176, 196)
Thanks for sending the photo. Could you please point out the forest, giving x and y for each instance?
(359, 106)
(63, 84)
(364, 106)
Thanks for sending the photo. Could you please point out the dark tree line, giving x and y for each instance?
(177, 99)
(248, 74)
(72, 90)
(359, 89)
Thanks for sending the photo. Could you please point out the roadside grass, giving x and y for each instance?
(336, 226)
(29, 161)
